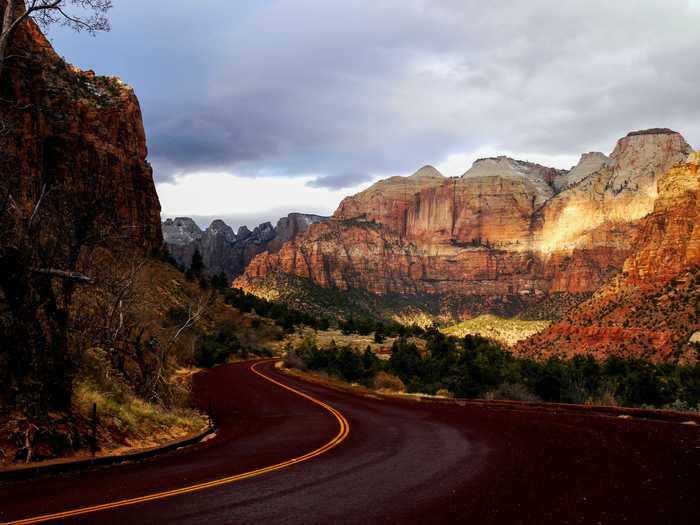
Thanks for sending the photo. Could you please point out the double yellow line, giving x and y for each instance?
(343, 432)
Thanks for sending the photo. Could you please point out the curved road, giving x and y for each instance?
(333, 457)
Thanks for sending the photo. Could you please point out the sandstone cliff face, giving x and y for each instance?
(499, 230)
(491, 203)
(79, 136)
(620, 192)
(223, 250)
(668, 241)
(588, 164)
(651, 308)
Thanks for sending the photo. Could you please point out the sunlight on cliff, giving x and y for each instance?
(563, 235)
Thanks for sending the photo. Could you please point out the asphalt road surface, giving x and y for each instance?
(337, 457)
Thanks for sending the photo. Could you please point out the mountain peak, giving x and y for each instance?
(181, 230)
(219, 227)
(653, 131)
(588, 164)
(428, 171)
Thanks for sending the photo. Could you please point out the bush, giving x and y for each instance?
(292, 360)
(390, 382)
(511, 392)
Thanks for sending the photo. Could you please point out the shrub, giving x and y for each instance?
(511, 392)
(292, 360)
(390, 382)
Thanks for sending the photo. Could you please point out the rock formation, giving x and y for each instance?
(652, 308)
(225, 251)
(506, 228)
(80, 135)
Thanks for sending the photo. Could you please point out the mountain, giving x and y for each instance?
(225, 251)
(508, 236)
(652, 308)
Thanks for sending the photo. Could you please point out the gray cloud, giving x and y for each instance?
(336, 88)
(340, 180)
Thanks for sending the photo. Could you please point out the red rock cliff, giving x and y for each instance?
(499, 230)
(651, 308)
(81, 137)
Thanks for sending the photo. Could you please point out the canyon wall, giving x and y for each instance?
(74, 180)
(80, 137)
(505, 228)
(652, 308)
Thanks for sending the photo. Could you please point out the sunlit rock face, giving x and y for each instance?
(621, 191)
(650, 308)
(388, 201)
(669, 237)
(504, 228)
(587, 165)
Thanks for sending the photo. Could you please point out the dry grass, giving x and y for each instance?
(139, 423)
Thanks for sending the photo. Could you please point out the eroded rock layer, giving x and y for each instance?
(652, 308)
(505, 228)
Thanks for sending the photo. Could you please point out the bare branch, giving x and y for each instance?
(66, 275)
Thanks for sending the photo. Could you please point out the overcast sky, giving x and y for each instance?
(254, 108)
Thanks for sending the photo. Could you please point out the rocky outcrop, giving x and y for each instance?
(223, 250)
(79, 136)
(620, 192)
(588, 164)
(651, 308)
(668, 241)
(506, 228)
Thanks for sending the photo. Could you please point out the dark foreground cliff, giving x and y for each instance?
(74, 178)
(83, 305)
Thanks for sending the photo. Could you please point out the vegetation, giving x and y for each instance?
(284, 316)
(381, 329)
(475, 367)
(224, 344)
(506, 331)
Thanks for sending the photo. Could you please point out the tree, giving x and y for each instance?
(197, 265)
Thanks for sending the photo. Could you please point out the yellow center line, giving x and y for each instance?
(344, 430)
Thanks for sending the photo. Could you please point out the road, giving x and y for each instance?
(363, 459)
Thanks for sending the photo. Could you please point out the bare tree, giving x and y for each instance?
(80, 15)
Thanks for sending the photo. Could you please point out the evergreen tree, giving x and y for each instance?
(197, 264)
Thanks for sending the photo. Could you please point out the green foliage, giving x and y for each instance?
(344, 362)
(475, 367)
(197, 265)
(285, 317)
(219, 281)
(381, 329)
(223, 344)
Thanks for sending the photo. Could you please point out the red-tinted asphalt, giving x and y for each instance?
(403, 462)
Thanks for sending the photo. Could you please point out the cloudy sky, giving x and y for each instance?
(254, 108)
